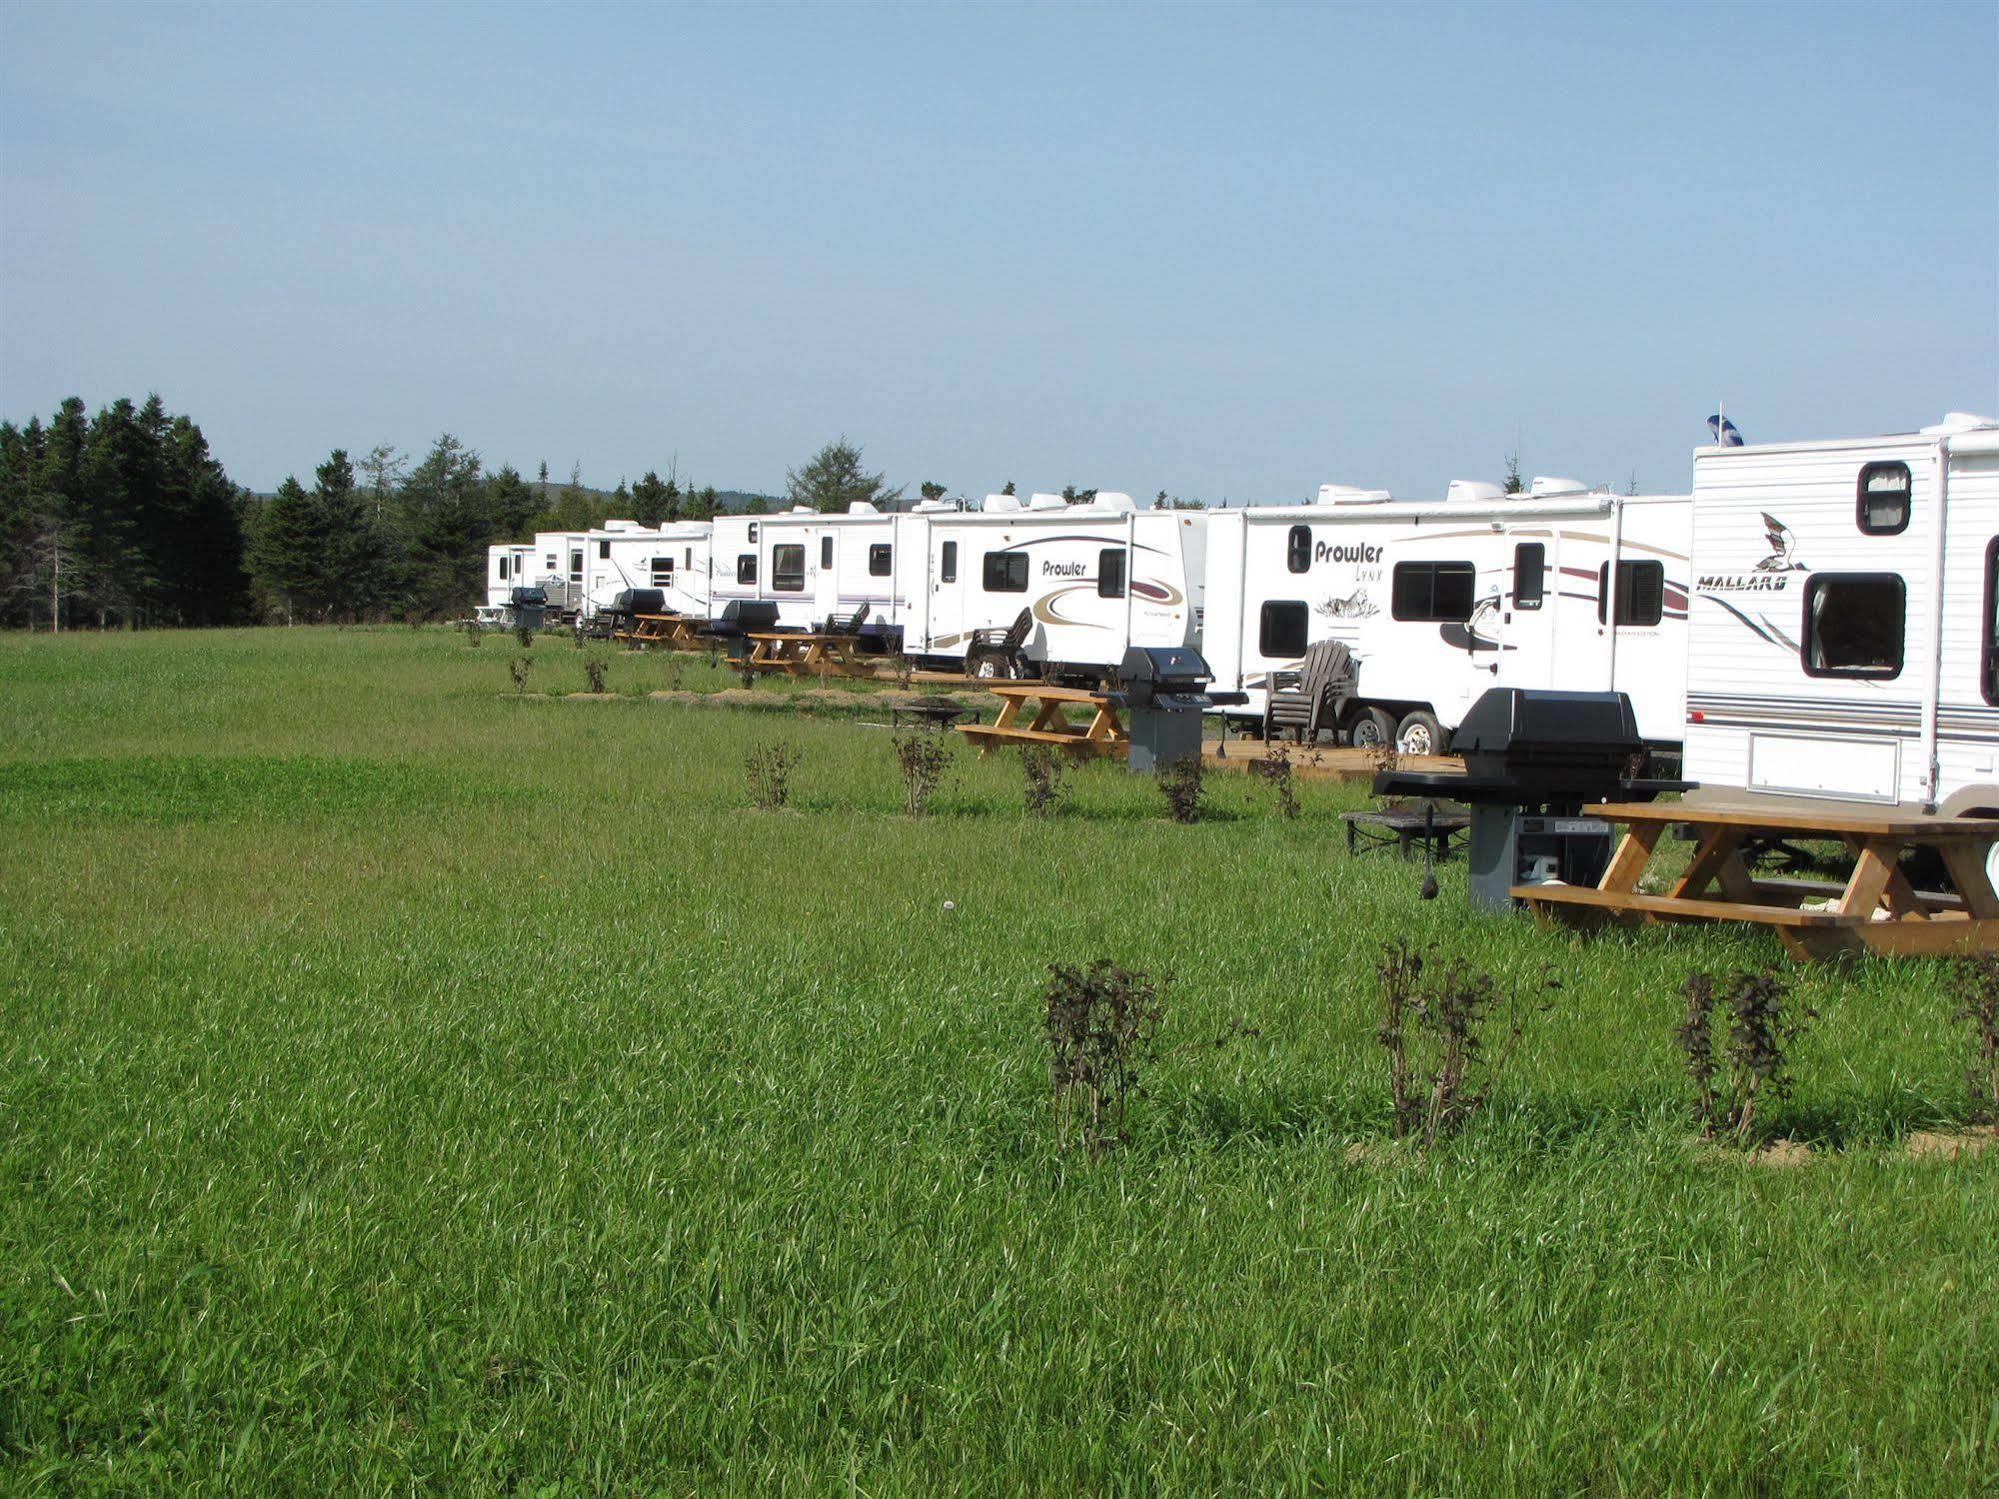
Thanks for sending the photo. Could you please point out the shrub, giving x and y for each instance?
(1977, 984)
(523, 636)
(1275, 769)
(1433, 1029)
(1180, 783)
(1043, 765)
(593, 673)
(1760, 1029)
(474, 632)
(519, 668)
(767, 769)
(1102, 1025)
(923, 757)
(674, 670)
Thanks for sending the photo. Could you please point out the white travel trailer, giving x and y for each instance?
(1845, 635)
(555, 564)
(507, 567)
(1097, 577)
(814, 565)
(625, 555)
(1556, 587)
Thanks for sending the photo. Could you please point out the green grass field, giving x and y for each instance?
(405, 1085)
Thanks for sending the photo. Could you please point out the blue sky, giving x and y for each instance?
(1225, 251)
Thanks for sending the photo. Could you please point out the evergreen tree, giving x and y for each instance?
(1514, 483)
(653, 503)
(286, 549)
(834, 479)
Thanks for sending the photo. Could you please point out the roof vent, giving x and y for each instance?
(1545, 487)
(1047, 502)
(1350, 494)
(1959, 421)
(1473, 491)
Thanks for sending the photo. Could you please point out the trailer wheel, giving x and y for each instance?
(989, 666)
(1420, 734)
(1371, 728)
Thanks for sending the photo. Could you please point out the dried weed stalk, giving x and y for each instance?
(1761, 1029)
(1102, 1025)
(1977, 992)
(767, 770)
(1179, 782)
(923, 756)
(1275, 770)
(1042, 765)
(1433, 1024)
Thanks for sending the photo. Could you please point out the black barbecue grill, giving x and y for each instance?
(1533, 761)
(1164, 690)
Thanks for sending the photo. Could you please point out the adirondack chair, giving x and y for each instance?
(1007, 648)
(851, 625)
(1307, 701)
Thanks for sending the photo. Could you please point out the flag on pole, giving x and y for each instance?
(1724, 431)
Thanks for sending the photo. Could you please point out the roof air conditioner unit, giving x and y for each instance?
(1047, 502)
(1475, 491)
(1545, 487)
(1350, 494)
(1001, 504)
(862, 507)
(1114, 500)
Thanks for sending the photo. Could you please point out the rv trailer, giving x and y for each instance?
(816, 565)
(623, 556)
(1439, 601)
(507, 568)
(1096, 578)
(555, 565)
(1845, 633)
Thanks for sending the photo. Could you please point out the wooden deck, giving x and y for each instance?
(1320, 763)
(1875, 910)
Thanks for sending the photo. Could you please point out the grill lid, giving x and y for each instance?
(1511, 722)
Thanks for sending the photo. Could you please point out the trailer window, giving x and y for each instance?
(1854, 624)
(753, 530)
(503, 569)
(1282, 630)
(662, 572)
(550, 563)
(687, 556)
(576, 565)
(1006, 572)
(881, 560)
(1530, 575)
(1988, 665)
(787, 568)
(603, 551)
(1641, 593)
(1884, 499)
(746, 567)
(1298, 549)
(825, 551)
(1110, 573)
(947, 565)
(1432, 590)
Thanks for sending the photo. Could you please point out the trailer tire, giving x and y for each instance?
(1371, 727)
(988, 666)
(1419, 734)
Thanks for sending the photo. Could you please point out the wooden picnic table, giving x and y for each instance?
(676, 632)
(807, 654)
(1876, 909)
(1048, 720)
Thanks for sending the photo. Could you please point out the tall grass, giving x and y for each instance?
(405, 1083)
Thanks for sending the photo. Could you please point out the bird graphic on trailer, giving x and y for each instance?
(1783, 546)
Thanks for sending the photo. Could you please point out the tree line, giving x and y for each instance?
(126, 519)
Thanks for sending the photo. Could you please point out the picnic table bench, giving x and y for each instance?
(1404, 828)
(1876, 909)
(806, 654)
(1049, 722)
(676, 632)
